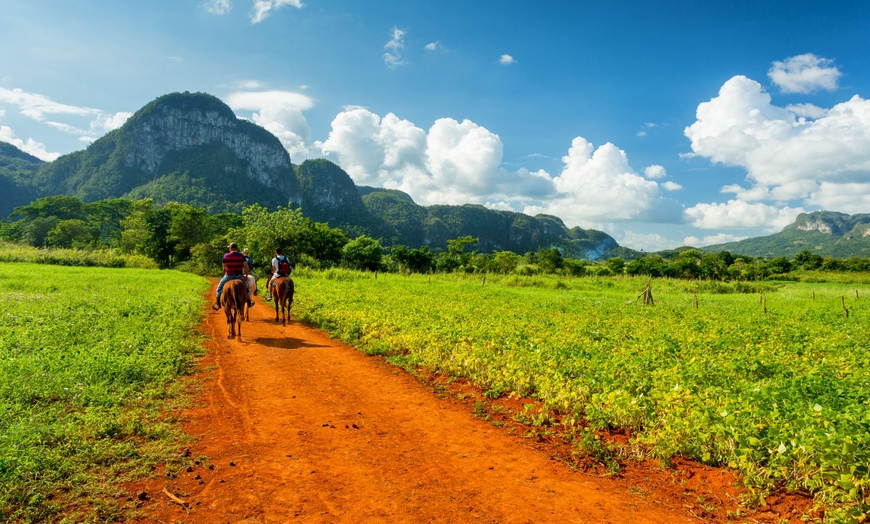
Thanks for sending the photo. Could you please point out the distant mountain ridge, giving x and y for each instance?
(191, 148)
(825, 233)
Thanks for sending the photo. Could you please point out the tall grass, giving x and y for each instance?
(73, 257)
(89, 359)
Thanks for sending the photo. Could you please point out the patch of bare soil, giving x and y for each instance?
(292, 426)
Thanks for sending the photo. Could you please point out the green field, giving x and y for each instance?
(89, 361)
(772, 380)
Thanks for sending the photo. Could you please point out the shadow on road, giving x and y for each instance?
(286, 343)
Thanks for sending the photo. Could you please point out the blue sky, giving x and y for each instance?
(661, 123)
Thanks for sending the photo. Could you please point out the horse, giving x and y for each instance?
(234, 300)
(283, 294)
(252, 286)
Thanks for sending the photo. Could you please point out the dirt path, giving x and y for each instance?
(297, 427)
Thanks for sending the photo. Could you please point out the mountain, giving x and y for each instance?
(825, 233)
(187, 147)
(16, 174)
(191, 148)
(414, 225)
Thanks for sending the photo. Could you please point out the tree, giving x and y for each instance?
(146, 232)
(420, 260)
(779, 266)
(576, 268)
(650, 265)
(263, 231)
(456, 257)
(188, 226)
(808, 260)
(688, 264)
(36, 231)
(550, 260)
(505, 262)
(60, 206)
(456, 248)
(104, 220)
(363, 253)
(714, 267)
(326, 243)
(72, 233)
(616, 265)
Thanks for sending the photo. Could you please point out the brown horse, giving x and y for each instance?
(284, 289)
(234, 300)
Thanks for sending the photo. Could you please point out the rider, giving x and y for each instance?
(250, 260)
(235, 267)
(276, 263)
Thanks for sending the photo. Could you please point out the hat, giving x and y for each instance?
(234, 246)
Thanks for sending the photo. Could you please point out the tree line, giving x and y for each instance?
(187, 237)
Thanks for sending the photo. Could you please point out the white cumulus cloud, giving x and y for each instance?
(452, 163)
(599, 185)
(807, 110)
(506, 60)
(738, 214)
(709, 240)
(655, 171)
(263, 8)
(786, 156)
(805, 73)
(279, 112)
(30, 146)
(643, 241)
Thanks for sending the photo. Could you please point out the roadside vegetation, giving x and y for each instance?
(89, 365)
(121, 232)
(770, 379)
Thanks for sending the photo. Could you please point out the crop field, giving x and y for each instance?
(89, 359)
(771, 379)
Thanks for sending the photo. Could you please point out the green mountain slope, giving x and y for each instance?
(183, 147)
(414, 225)
(826, 233)
(17, 169)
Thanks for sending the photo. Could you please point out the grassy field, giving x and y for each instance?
(89, 359)
(10, 252)
(771, 379)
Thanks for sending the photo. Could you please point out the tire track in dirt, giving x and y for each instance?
(296, 427)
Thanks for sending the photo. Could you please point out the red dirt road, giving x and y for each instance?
(296, 427)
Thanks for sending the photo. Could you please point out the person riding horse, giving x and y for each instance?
(235, 267)
(280, 268)
(252, 281)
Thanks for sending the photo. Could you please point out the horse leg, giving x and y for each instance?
(231, 322)
(284, 310)
(277, 305)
